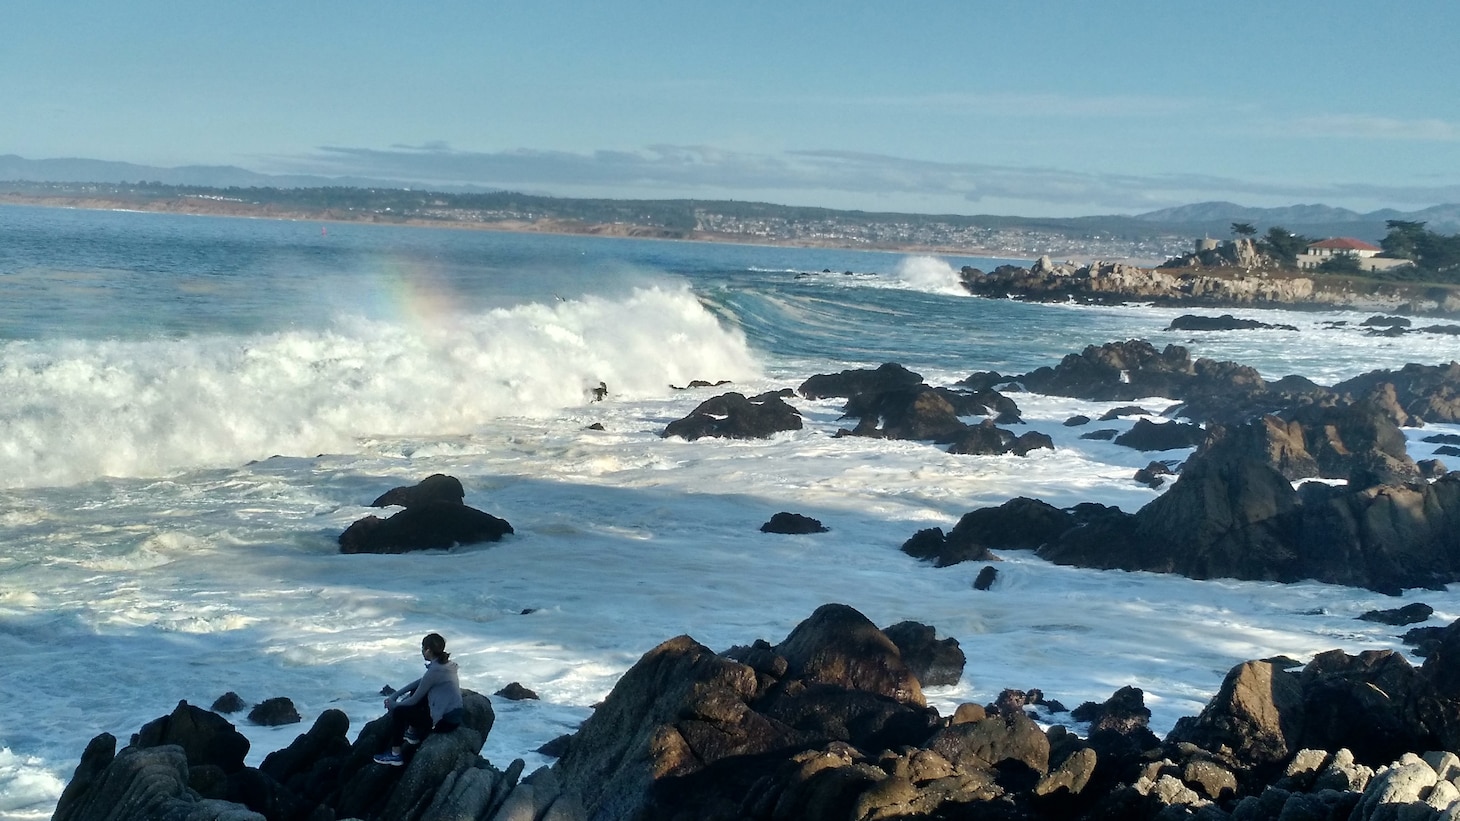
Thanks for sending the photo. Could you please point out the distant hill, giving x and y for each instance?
(1216, 218)
(72, 169)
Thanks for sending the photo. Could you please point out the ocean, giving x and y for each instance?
(193, 408)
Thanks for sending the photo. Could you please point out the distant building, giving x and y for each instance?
(1369, 260)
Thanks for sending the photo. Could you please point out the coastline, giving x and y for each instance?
(220, 208)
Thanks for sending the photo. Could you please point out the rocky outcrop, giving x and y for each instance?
(1426, 393)
(1225, 322)
(830, 723)
(1193, 283)
(733, 416)
(434, 518)
(888, 377)
(792, 524)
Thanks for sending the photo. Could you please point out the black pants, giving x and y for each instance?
(417, 716)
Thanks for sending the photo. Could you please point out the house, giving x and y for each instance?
(1369, 260)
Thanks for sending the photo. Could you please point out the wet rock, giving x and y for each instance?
(1408, 614)
(986, 578)
(849, 383)
(435, 488)
(430, 526)
(516, 692)
(274, 712)
(936, 662)
(229, 702)
(793, 524)
(1146, 435)
(733, 416)
(1225, 322)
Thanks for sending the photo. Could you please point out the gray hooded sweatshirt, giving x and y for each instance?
(440, 686)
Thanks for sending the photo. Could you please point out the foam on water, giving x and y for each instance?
(72, 410)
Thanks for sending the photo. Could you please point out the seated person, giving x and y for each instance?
(431, 703)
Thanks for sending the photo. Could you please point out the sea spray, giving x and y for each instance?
(73, 410)
(930, 274)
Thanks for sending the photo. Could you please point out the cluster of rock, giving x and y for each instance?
(1235, 282)
(435, 517)
(832, 723)
(888, 402)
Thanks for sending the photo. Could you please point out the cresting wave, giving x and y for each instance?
(75, 410)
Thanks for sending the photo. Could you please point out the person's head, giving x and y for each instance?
(433, 647)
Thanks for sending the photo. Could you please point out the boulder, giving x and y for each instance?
(274, 712)
(985, 439)
(1408, 614)
(792, 524)
(516, 692)
(1146, 435)
(936, 662)
(849, 383)
(429, 526)
(1430, 393)
(435, 488)
(733, 416)
(1225, 322)
(206, 738)
(139, 784)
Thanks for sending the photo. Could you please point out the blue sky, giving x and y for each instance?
(1030, 108)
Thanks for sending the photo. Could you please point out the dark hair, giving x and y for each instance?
(437, 645)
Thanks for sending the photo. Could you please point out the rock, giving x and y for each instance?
(1225, 322)
(793, 524)
(1076, 421)
(1153, 475)
(435, 488)
(207, 739)
(139, 784)
(849, 383)
(1122, 412)
(1102, 435)
(1431, 468)
(837, 645)
(986, 578)
(1146, 435)
(733, 416)
(1408, 614)
(1018, 524)
(984, 439)
(1380, 321)
(1427, 392)
(1257, 715)
(516, 692)
(274, 712)
(430, 526)
(229, 702)
(936, 662)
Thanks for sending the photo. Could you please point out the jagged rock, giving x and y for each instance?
(229, 702)
(1425, 392)
(1146, 435)
(1408, 614)
(206, 738)
(434, 488)
(1257, 716)
(733, 416)
(1153, 475)
(984, 439)
(1018, 524)
(274, 712)
(139, 784)
(516, 692)
(849, 383)
(1225, 322)
(936, 662)
(792, 524)
(429, 526)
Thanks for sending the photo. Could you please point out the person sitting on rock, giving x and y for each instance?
(431, 703)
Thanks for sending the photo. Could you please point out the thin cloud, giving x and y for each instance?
(679, 171)
(1371, 127)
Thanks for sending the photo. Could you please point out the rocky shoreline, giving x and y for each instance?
(831, 721)
(1118, 282)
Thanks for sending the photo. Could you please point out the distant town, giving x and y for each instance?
(721, 221)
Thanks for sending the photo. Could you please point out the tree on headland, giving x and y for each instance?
(1243, 229)
(1431, 253)
(1283, 245)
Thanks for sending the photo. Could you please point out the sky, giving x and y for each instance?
(1036, 108)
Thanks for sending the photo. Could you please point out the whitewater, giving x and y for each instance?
(193, 409)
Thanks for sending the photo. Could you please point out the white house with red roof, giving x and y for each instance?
(1323, 250)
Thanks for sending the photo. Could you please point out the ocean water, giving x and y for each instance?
(192, 409)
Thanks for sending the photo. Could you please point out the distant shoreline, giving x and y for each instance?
(218, 208)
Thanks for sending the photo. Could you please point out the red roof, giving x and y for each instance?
(1345, 244)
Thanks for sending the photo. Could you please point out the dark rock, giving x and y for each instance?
(925, 544)
(1122, 412)
(986, 578)
(516, 692)
(307, 765)
(595, 426)
(229, 702)
(205, 737)
(1408, 614)
(274, 712)
(984, 439)
(433, 526)
(936, 662)
(1146, 435)
(1427, 392)
(733, 416)
(919, 413)
(1102, 435)
(837, 645)
(139, 784)
(1257, 715)
(1447, 450)
(435, 488)
(1379, 321)
(557, 747)
(793, 524)
(1077, 420)
(1018, 524)
(848, 383)
(1431, 468)
(1442, 439)
(1225, 322)
(701, 383)
(1152, 475)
